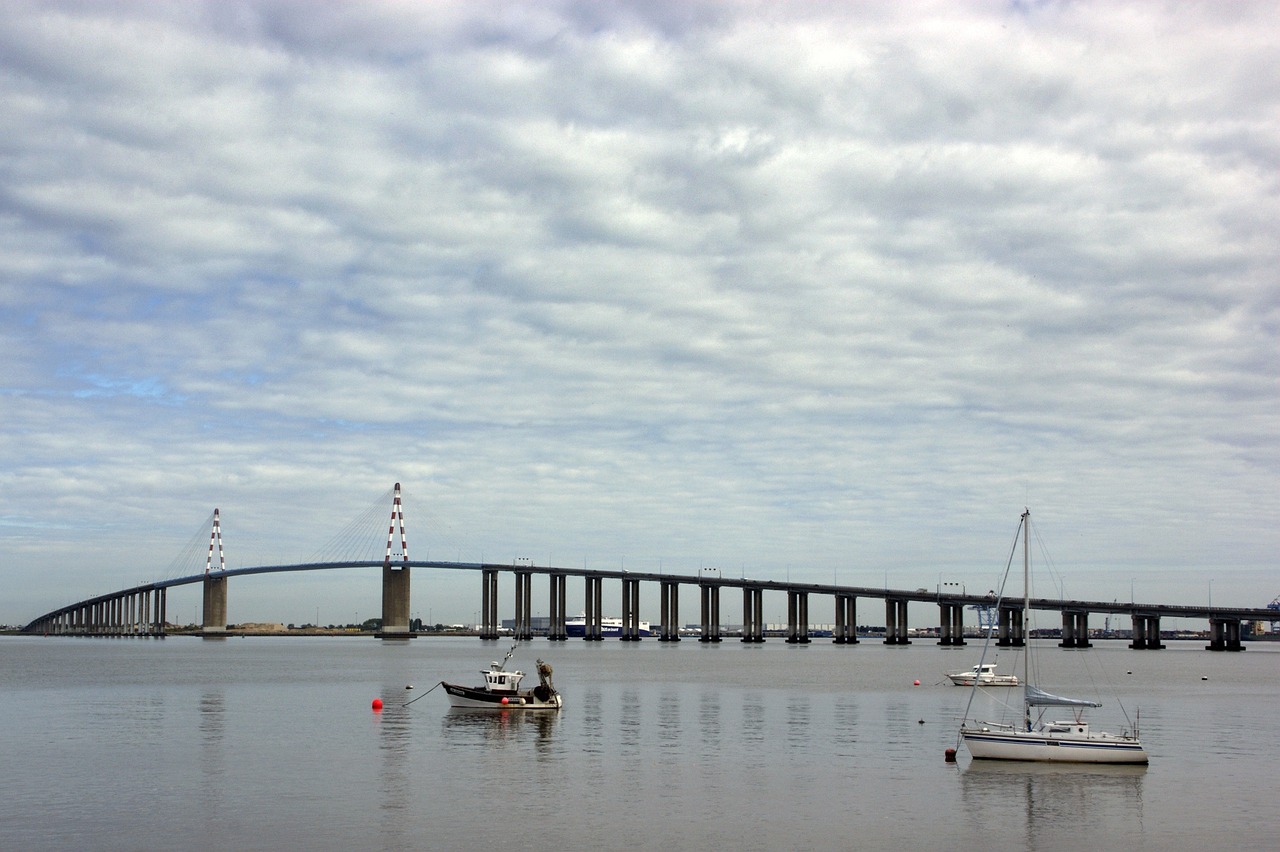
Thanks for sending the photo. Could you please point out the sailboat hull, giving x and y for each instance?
(990, 744)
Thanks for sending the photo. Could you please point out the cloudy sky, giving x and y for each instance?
(794, 290)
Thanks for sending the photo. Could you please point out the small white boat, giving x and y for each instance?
(1035, 739)
(501, 690)
(984, 674)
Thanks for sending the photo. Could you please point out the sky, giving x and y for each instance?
(814, 291)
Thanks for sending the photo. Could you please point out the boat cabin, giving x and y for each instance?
(1081, 728)
(496, 680)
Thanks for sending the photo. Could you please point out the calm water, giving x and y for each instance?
(271, 743)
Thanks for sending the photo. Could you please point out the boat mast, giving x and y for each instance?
(1026, 612)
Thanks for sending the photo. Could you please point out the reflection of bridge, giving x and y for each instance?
(141, 610)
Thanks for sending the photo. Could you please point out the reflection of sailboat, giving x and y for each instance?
(1070, 741)
(1043, 805)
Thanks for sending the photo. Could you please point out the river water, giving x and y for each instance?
(271, 743)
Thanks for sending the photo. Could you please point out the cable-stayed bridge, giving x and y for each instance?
(141, 610)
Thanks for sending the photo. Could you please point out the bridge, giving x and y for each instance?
(141, 610)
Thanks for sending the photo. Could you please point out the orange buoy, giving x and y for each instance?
(377, 704)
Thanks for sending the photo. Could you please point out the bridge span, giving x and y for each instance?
(141, 610)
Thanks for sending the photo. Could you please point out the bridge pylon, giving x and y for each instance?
(214, 622)
(395, 578)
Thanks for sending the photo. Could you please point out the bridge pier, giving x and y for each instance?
(846, 620)
(630, 610)
(592, 630)
(895, 622)
(1012, 627)
(555, 629)
(710, 613)
(797, 618)
(1224, 635)
(488, 626)
(395, 602)
(670, 602)
(1075, 630)
(752, 615)
(1146, 632)
(950, 623)
(214, 623)
(523, 622)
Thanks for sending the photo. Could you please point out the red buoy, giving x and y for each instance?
(917, 683)
(950, 755)
(505, 700)
(377, 704)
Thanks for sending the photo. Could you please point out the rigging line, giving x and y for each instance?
(359, 537)
(190, 558)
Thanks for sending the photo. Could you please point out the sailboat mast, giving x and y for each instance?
(1026, 610)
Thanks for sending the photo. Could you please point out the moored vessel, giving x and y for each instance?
(983, 674)
(1034, 739)
(501, 690)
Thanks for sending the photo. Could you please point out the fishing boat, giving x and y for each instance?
(983, 674)
(501, 690)
(1034, 739)
(609, 627)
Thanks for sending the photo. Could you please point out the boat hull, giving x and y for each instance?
(482, 699)
(987, 744)
(997, 680)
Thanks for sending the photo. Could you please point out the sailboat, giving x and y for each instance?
(1071, 741)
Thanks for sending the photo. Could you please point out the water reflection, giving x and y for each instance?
(395, 781)
(1049, 802)
(463, 726)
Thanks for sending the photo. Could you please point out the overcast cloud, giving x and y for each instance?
(804, 291)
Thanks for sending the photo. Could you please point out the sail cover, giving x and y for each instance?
(1037, 697)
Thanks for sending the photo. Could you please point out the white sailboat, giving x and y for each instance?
(1071, 741)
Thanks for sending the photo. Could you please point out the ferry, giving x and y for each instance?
(577, 627)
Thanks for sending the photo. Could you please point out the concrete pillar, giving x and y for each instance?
(1068, 630)
(710, 614)
(523, 623)
(846, 620)
(748, 615)
(1082, 630)
(592, 631)
(395, 602)
(215, 607)
(1012, 627)
(797, 617)
(630, 610)
(555, 628)
(670, 593)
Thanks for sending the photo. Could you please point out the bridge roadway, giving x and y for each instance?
(140, 610)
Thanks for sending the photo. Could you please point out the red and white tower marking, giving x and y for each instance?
(397, 517)
(215, 537)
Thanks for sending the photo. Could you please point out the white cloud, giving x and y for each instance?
(799, 289)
